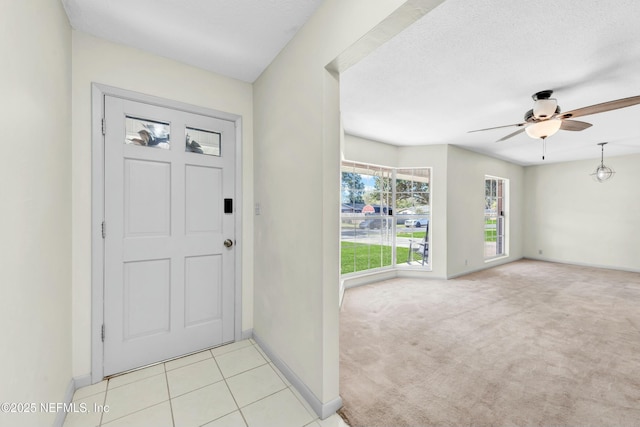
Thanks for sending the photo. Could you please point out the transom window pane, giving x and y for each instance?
(147, 133)
(202, 142)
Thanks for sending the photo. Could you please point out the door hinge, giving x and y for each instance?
(104, 230)
(104, 129)
(102, 332)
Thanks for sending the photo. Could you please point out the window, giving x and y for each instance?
(202, 142)
(385, 217)
(365, 221)
(495, 242)
(147, 133)
(413, 214)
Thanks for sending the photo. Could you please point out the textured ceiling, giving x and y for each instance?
(466, 65)
(475, 64)
(235, 38)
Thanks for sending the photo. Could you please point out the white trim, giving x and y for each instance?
(495, 258)
(417, 274)
(498, 261)
(68, 397)
(82, 381)
(238, 333)
(247, 334)
(97, 242)
(368, 278)
(98, 92)
(583, 264)
(323, 410)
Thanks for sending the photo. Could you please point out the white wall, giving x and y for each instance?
(465, 211)
(367, 151)
(297, 174)
(573, 219)
(35, 218)
(100, 61)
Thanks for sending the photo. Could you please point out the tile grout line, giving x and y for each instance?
(141, 409)
(104, 402)
(230, 392)
(167, 383)
(286, 387)
(166, 377)
(188, 364)
(135, 381)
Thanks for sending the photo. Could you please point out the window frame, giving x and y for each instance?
(387, 213)
(501, 235)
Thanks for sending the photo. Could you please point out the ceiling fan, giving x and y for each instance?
(545, 118)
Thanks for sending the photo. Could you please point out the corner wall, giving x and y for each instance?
(35, 218)
(100, 61)
(297, 174)
(465, 210)
(457, 215)
(573, 219)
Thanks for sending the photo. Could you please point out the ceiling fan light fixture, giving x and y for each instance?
(543, 129)
(602, 173)
(544, 108)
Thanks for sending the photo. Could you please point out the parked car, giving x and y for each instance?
(416, 222)
(373, 223)
(401, 216)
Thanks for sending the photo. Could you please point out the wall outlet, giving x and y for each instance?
(466, 262)
(257, 208)
(539, 251)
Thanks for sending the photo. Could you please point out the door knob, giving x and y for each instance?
(228, 243)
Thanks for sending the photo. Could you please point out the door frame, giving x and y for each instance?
(98, 92)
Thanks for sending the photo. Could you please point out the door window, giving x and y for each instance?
(147, 133)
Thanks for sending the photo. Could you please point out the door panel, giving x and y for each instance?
(203, 208)
(146, 296)
(169, 281)
(147, 198)
(203, 289)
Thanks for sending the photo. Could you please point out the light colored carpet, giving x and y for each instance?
(524, 344)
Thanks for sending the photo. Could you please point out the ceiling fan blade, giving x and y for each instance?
(497, 127)
(511, 135)
(574, 125)
(601, 108)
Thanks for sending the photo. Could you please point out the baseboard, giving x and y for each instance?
(82, 381)
(493, 263)
(368, 278)
(68, 397)
(323, 410)
(582, 264)
(247, 333)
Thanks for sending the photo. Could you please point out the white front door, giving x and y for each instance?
(168, 277)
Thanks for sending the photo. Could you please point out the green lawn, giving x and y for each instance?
(490, 234)
(416, 235)
(370, 256)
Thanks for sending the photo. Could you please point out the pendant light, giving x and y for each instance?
(602, 172)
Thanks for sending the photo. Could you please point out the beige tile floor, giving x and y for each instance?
(235, 385)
